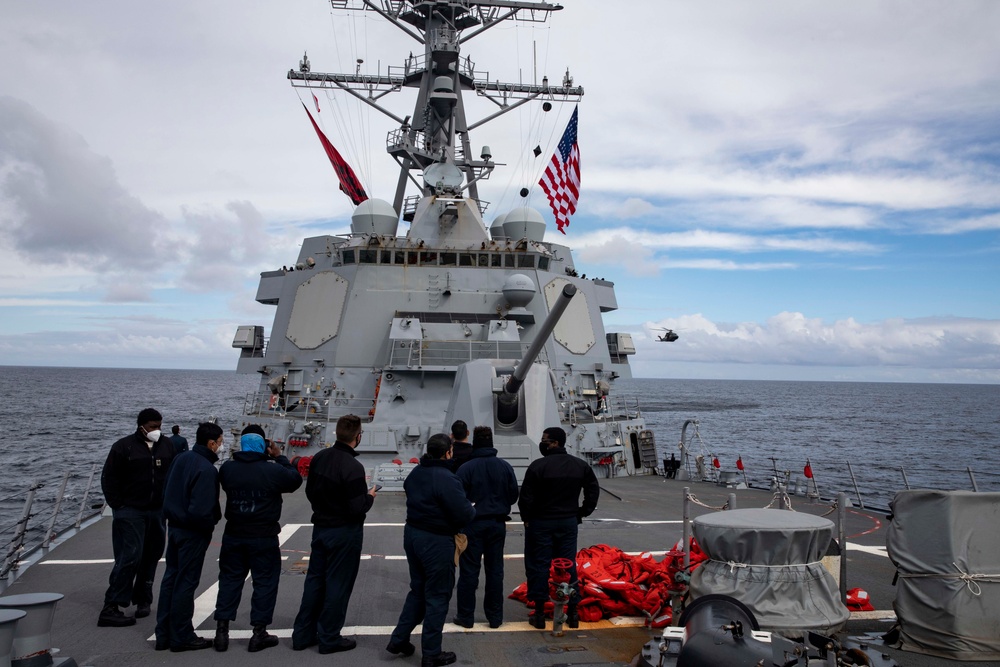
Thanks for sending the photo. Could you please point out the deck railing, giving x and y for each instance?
(47, 515)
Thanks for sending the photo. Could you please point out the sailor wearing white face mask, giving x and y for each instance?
(132, 480)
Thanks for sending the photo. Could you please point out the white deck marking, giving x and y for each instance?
(449, 628)
(875, 551)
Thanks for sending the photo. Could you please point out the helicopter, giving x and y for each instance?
(668, 336)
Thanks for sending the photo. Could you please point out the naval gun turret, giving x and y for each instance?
(508, 402)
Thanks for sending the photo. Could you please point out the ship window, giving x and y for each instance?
(386, 257)
(496, 260)
(526, 261)
(447, 259)
(465, 259)
(543, 263)
(367, 257)
(484, 259)
(411, 258)
(400, 257)
(348, 257)
(428, 258)
(508, 261)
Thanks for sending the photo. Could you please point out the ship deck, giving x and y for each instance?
(634, 514)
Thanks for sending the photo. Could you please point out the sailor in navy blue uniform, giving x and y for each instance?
(436, 510)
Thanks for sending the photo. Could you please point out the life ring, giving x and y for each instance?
(274, 401)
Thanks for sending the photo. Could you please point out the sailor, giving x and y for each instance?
(191, 508)
(436, 510)
(253, 480)
(340, 500)
(462, 449)
(551, 510)
(132, 480)
(491, 485)
(180, 442)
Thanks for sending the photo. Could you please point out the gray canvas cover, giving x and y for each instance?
(946, 548)
(770, 560)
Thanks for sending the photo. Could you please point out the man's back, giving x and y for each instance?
(490, 483)
(552, 486)
(253, 487)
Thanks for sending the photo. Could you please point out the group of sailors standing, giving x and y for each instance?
(458, 500)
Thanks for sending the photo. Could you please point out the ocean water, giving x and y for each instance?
(58, 420)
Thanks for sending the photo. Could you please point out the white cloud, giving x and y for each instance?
(711, 240)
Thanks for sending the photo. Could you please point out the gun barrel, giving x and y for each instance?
(558, 308)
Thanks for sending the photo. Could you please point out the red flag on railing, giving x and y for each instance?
(715, 462)
(808, 470)
(349, 183)
(739, 463)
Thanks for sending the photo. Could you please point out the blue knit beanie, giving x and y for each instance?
(251, 442)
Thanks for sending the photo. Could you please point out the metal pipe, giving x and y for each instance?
(854, 480)
(973, 478)
(686, 515)
(562, 302)
(17, 543)
(50, 533)
(86, 492)
(906, 482)
(842, 541)
(732, 501)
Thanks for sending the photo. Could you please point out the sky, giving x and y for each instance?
(802, 190)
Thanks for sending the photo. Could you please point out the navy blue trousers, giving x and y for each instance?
(185, 558)
(544, 540)
(334, 560)
(261, 558)
(137, 539)
(432, 577)
(486, 542)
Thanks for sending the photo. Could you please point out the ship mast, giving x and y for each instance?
(437, 133)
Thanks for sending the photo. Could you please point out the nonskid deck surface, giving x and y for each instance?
(634, 514)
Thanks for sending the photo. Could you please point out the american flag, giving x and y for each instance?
(561, 181)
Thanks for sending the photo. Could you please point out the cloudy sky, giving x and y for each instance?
(803, 190)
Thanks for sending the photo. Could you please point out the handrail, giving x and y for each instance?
(37, 528)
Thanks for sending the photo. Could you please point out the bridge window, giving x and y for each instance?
(348, 257)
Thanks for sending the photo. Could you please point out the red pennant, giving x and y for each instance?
(349, 183)
(808, 471)
(715, 462)
(739, 463)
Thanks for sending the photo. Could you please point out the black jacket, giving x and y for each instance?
(191, 497)
(490, 483)
(134, 475)
(552, 485)
(253, 484)
(336, 487)
(460, 453)
(435, 499)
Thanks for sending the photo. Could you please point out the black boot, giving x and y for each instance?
(113, 617)
(572, 617)
(261, 640)
(221, 642)
(536, 620)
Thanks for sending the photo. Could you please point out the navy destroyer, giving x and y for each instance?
(451, 319)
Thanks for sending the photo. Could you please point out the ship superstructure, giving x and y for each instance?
(451, 320)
